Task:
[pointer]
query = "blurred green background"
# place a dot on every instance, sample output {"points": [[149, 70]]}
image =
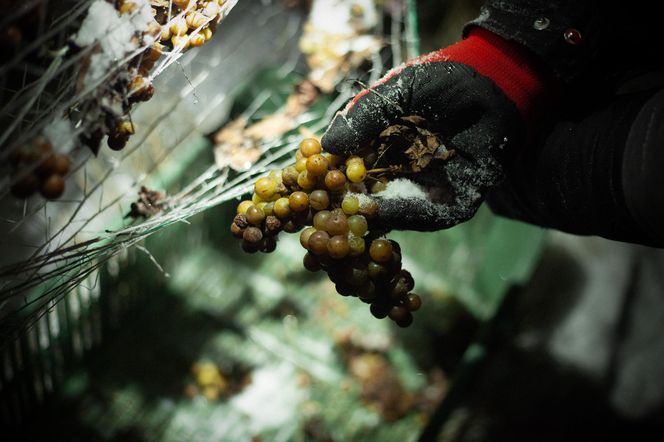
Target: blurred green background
{"points": [[188, 338]]}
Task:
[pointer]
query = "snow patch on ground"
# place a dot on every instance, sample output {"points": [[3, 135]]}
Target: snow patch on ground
{"points": [[272, 399]]}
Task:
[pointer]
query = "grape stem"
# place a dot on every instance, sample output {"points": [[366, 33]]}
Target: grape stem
{"points": [[392, 169]]}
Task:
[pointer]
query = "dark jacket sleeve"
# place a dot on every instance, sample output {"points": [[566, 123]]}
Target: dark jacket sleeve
{"points": [[592, 167], [564, 33], [586, 41]]}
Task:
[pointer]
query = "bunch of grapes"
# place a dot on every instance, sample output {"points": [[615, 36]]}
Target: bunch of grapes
{"points": [[324, 197], [37, 167], [194, 28], [178, 24]]}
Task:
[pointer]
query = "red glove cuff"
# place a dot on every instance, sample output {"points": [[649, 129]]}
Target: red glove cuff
{"points": [[511, 67], [507, 64]]}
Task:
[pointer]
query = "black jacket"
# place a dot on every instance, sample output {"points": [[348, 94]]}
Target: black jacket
{"points": [[603, 42], [595, 165]]}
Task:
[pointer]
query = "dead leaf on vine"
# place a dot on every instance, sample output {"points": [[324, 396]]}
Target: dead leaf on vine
{"points": [[418, 144]]}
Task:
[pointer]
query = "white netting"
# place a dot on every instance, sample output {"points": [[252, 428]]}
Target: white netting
{"points": [[52, 246]]}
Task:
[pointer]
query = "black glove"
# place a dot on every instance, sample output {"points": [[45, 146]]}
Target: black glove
{"points": [[465, 109]]}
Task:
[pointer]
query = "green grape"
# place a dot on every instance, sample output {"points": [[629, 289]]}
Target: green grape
{"points": [[301, 165], [356, 172], [358, 225], [379, 185], [268, 208], [356, 246], [282, 208], [350, 205], [243, 206], [265, 188]]}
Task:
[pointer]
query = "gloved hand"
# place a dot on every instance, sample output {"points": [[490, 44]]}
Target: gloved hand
{"points": [[477, 96]]}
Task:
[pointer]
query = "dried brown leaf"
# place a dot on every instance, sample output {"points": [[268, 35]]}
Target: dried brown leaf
{"points": [[381, 387], [231, 133], [271, 127], [417, 143]]}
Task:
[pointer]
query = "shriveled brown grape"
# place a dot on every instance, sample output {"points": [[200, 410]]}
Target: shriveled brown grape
{"points": [[236, 230], [252, 235]]}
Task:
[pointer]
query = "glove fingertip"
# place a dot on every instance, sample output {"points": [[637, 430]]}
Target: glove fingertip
{"points": [[340, 138], [396, 213], [415, 213]]}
